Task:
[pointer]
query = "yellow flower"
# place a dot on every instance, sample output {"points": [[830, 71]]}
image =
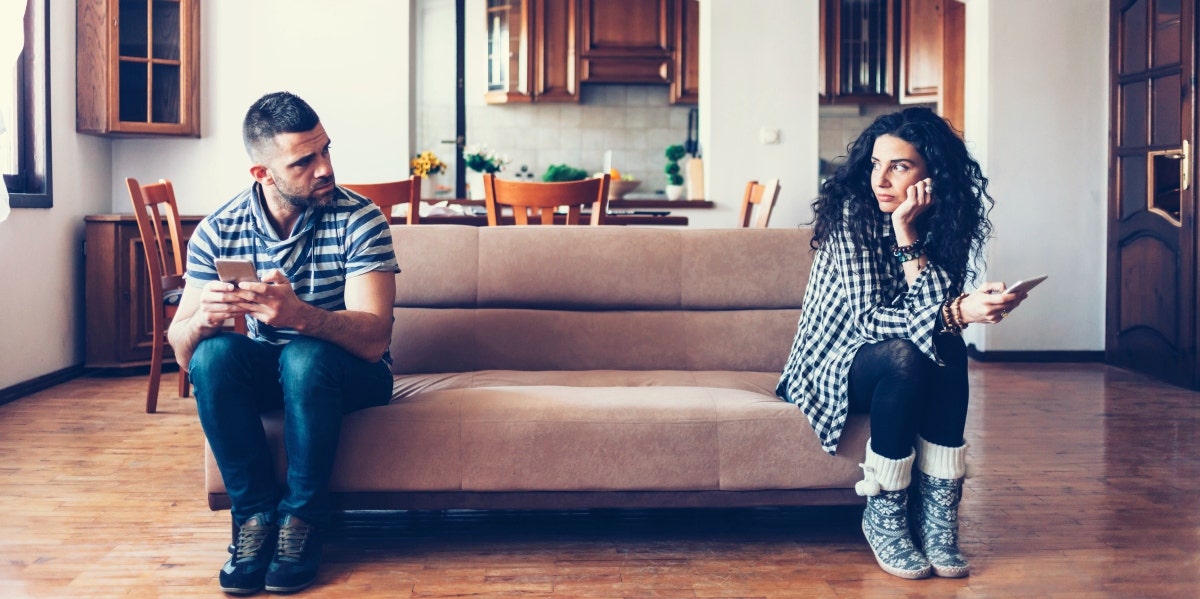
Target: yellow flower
{"points": [[427, 163]]}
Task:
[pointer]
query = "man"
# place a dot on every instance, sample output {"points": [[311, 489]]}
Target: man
{"points": [[319, 322]]}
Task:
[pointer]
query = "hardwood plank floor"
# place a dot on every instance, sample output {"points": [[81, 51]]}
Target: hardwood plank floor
{"points": [[1085, 482]]}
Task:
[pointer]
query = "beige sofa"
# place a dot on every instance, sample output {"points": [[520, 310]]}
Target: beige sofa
{"points": [[589, 367]]}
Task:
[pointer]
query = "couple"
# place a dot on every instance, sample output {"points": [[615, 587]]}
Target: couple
{"points": [[893, 235]]}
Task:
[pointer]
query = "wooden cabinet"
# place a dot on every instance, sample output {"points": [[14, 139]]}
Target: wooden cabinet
{"points": [[532, 51], [627, 41], [685, 86], [541, 50], [889, 51], [118, 307], [137, 67], [920, 51], [860, 50]]}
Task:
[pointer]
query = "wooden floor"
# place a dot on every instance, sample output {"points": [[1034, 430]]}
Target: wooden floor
{"points": [[1085, 482]]}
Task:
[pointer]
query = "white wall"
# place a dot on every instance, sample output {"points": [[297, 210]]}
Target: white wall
{"points": [[349, 60], [759, 63], [41, 260], [1037, 118]]}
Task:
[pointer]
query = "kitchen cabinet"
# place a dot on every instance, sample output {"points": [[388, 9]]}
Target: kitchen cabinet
{"points": [[859, 51], [894, 51], [920, 50], [627, 41], [685, 86], [532, 51], [137, 67], [118, 306]]}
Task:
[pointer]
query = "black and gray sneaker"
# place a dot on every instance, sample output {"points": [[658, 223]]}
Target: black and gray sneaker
{"points": [[297, 557], [252, 548]]}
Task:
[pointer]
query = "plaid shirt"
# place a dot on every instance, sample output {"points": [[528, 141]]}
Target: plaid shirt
{"points": [[856, 295]]}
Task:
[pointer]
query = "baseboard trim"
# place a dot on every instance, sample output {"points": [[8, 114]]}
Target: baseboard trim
{"points": [[1034, 356], [40, 383]]}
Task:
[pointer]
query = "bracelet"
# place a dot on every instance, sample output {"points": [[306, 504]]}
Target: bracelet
{"points": [[905, 253], [956, 311], [948, 324]]}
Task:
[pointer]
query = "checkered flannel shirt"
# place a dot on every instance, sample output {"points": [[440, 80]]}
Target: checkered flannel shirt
{"points": [[856, 295]]}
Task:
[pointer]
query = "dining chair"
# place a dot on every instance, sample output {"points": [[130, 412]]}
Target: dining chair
{"points": [[390, 194], [152, 203], [529, 199], [763, 195]]}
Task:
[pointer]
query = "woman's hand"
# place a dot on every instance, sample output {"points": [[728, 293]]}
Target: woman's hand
{"points": [[918, 198], [989, 304]]}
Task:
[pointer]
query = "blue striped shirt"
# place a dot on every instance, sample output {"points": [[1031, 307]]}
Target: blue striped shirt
{"points": [[327, 246]]}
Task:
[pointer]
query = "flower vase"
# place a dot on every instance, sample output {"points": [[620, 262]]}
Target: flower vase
{"points": [[674, 192], [429, 184], [475, 185]]}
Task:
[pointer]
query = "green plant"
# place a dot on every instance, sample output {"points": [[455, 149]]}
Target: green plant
{"points": [[562, 172], [482, 160], [674, 153]]}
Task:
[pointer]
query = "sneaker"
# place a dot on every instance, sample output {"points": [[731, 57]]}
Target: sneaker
{"points": [[253, 546], [297, 557]]}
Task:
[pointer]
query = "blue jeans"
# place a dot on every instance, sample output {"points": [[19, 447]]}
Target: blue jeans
{"points": [[315, 382]]}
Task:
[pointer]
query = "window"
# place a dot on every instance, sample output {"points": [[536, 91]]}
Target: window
{"points": [[25, 110]]}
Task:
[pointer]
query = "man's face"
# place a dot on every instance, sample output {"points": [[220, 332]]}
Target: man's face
{"points": [[300, 169]]}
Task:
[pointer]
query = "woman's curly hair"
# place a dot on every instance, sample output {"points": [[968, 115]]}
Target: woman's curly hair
{"points": [[955, 225]]}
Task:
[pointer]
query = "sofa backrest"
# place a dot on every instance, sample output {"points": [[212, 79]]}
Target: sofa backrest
{"points": [[596, 298]]}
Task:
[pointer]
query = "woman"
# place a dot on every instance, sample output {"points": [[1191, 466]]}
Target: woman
{"points": [[894, 233]]}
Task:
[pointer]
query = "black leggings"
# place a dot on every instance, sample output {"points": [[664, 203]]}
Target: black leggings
{"points": [[906, 393]]}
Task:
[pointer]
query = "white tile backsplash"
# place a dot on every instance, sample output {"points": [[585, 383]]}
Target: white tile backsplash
{"points": [[636, 122]]}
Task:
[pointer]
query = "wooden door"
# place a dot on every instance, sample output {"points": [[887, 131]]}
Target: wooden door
{"points": [[1152, 297]]}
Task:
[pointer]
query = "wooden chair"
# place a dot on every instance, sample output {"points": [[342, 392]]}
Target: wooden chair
{"points": [[388, 195], [164, 264], [528, 199], [762, 194]]}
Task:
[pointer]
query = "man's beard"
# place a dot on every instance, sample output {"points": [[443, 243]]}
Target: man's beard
{"points": [[309, 200]]}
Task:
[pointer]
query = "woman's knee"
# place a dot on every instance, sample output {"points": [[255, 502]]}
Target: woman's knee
{"points": [[904, 358]]}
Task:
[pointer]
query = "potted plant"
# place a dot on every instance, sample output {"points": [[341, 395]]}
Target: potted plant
{"points": [[480, 161], [427, 165], [674, 179]]}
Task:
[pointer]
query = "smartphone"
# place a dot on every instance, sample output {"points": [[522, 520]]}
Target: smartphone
{"points": [[1025, 285], [236, 271]]}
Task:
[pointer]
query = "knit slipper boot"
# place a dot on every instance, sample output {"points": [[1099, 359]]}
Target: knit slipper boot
{"points": [[885, 521], [940, 473]]}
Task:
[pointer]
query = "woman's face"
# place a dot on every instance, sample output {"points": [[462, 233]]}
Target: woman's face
{"points": [[895, 167]]}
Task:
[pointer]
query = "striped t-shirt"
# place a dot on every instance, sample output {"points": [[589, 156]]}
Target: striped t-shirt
{"points": [[328, 245]]}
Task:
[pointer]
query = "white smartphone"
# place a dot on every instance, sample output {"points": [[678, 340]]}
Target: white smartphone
{"points": [[1025, 285], [236, 271]]}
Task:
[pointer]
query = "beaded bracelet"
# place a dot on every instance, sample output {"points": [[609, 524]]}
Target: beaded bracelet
{"points": [[957, 312], [904, 253], [948, 325]]}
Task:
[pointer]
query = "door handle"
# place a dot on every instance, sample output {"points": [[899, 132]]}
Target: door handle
{"points": [[1184, 153]]}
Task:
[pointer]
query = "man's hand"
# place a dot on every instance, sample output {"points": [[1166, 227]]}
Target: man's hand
{"points": [[219, 302], [274, 302]]}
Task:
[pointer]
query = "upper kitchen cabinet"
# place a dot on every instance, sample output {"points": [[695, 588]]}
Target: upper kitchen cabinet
{"points": [[921, 50], [889, 51], [137, 67], [685, 87], [627, 41], [860, 50], [532, 51]]}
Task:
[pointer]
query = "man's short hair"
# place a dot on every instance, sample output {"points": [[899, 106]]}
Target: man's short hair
{"points": [[272, 114]]}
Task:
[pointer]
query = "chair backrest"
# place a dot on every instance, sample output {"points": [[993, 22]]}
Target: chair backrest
{"points": [[527, 198], [763, 195], [152, 203], [388, 195]]}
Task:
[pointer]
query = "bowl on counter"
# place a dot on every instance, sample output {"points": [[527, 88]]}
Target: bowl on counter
{"points": [[618, 188]]}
